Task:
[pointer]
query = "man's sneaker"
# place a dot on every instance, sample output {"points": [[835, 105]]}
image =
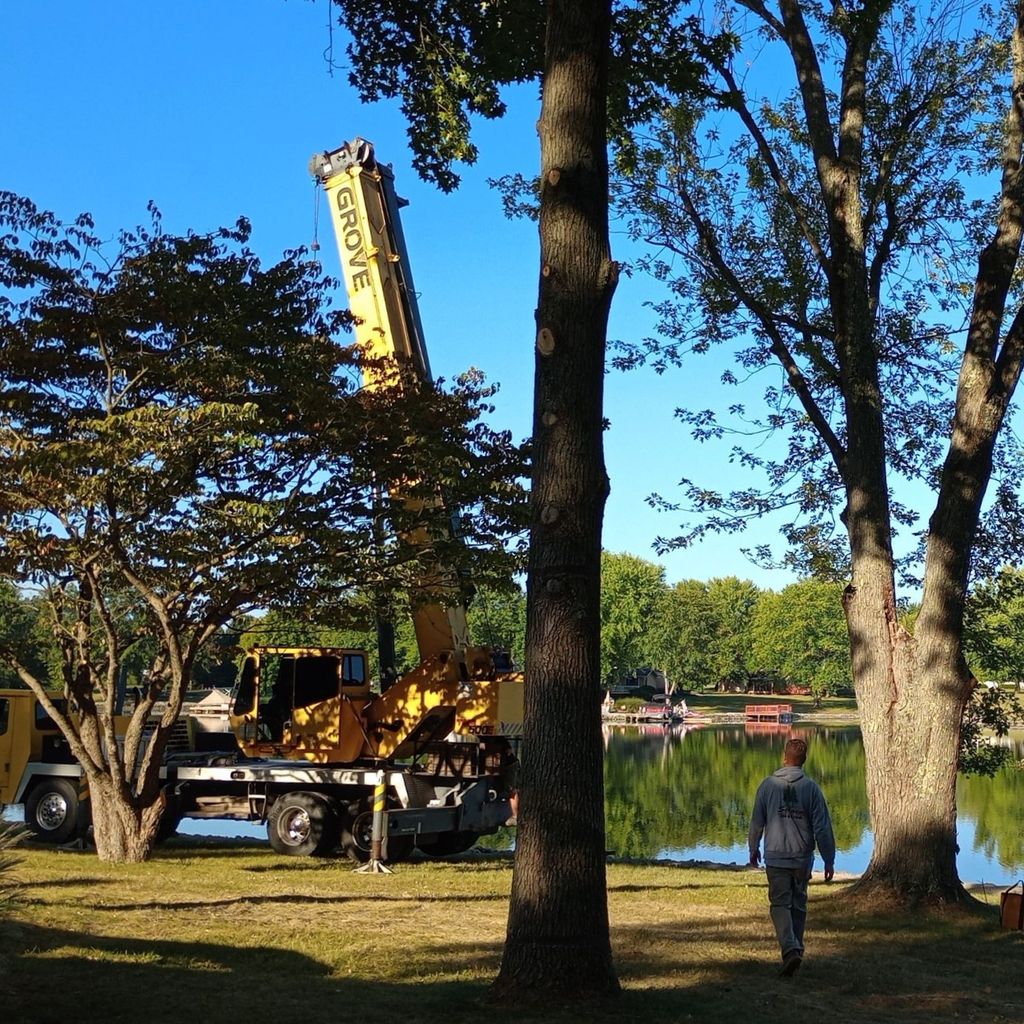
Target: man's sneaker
{"points": [[790, 964]]}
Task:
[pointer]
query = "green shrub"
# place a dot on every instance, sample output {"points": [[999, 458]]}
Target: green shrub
{"points": [[10, 836]]}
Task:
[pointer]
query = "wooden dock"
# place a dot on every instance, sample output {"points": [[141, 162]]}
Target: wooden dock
{"points": [[780, 714]]}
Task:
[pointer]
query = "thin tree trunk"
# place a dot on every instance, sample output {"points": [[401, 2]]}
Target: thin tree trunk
{"points": [[558, 934]]}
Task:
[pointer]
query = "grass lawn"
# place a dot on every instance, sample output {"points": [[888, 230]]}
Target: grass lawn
{"points": [[734, 703], [230, 932]]}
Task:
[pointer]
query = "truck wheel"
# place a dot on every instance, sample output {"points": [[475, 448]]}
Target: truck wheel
{"points": [[302, 825], [357, 836], [447, 844], [53, 811]]}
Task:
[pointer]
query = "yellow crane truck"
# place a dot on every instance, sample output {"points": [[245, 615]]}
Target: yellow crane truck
{"points": [[309, 742], [444, 790]]}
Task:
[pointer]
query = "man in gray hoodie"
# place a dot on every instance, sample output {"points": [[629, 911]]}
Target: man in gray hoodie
{"points": [[790, 811]]}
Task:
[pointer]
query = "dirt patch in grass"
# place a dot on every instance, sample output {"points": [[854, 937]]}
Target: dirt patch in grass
{"points": [[232, 932]]}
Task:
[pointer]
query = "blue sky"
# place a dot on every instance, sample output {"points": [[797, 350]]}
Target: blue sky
{"points": [[212, 108]]}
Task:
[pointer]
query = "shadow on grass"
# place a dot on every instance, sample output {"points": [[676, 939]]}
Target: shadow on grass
{"points": [[294, 898], [932, 970], [479, 865], [275, 867], [889, 968], [695, 965], [680, 887], [50, 976], [62, 883], [193, 846], [214, 848]]}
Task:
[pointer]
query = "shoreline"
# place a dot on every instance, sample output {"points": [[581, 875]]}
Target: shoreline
{"points": [[732, 718]]}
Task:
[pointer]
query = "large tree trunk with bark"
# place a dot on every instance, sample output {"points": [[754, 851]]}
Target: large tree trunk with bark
{"points": [[910, 704], [125, 800], [912, 691], [122, 832], [558, 936]]}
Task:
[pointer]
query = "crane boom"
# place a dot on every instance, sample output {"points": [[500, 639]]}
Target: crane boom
{"points": [[371, 247], [364, 209]]}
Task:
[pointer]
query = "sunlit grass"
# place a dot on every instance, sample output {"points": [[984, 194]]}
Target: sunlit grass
{"points": [[803, 704], [232, 932]]}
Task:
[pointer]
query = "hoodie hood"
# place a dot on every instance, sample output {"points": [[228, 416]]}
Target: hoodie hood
{"points": [[788, 773]]}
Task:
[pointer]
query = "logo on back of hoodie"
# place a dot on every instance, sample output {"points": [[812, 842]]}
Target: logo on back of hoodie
{"points": [[790, 803]]}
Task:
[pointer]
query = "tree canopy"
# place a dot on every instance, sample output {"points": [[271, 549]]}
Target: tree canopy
{"points": [[832, 233], [994, 627], [800, 633], [24, 630], [184, 438], [631, 588]]}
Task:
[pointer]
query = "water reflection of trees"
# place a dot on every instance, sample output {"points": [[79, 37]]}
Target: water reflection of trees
{"points": [[997, 808], [686, 788]]}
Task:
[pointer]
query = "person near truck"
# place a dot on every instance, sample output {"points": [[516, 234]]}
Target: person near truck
{"points": [[791, 813]]}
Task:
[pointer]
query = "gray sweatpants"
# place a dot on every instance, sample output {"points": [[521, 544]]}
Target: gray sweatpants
{"points": [[787, 896]]}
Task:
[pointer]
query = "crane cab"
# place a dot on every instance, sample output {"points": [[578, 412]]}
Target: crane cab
{"points": [[301, 702]]}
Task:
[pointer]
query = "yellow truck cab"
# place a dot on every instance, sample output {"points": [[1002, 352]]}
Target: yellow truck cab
{"points": [[38, 770]]}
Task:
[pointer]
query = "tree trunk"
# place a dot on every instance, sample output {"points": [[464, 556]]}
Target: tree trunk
{"points": [[910, 705], [558, 938], [910, 690], [911, 701], [123, 833]]}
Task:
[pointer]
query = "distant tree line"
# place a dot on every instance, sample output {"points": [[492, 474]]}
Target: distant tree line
{"points": [[722, 633], [703, 634], [727, 632]]}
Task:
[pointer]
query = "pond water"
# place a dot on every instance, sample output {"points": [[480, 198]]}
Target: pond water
{"points": [[679, 793], [682, 793]]}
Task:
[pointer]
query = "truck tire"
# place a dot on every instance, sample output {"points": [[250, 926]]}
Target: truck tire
{"points": [[53, 812], [302, 825], [357, 836]]}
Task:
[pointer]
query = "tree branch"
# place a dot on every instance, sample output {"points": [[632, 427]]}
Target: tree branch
{"points": [[81, 753], [797, 381], [758, 8], [882, 254], [812, 86], [113, 755], [736, 100], [853, 92]]}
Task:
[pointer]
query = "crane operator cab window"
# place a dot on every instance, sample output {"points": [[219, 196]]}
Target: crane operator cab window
{"points": [[304, 680], [245, 693], [316, 679], [277, 679], [353, 670]]}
